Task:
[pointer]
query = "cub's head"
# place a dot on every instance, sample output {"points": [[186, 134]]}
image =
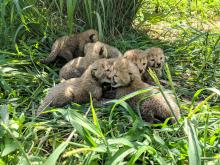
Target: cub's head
{"points": [[96, 50], [124, 73], [101, 70], [156, 58], [113, 52], [90, 36], [138, 58]]}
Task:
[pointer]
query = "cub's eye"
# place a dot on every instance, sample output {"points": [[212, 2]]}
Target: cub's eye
{"points": [[107, 70], [152, 60], [161, 58], [130, 73], [144, 63], [116, 76]]}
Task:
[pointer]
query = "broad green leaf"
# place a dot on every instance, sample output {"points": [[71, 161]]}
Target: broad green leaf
{"points": [[9, 146], [2, 162], [120, 155], [82, 125], [78, 119], [159, 139], [120, 141], [20, 147], [56, 154], [137, 154]]}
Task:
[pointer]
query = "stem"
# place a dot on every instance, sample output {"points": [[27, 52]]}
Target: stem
{"points": [[206, 132]]}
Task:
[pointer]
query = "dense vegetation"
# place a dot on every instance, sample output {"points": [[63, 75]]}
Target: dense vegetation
{"points": [[188, 31]]}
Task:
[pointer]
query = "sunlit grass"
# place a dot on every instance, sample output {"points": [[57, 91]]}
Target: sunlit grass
{"points": [[113, 133]]}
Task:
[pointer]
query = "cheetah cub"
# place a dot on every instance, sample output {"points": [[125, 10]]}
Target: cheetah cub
{"points": [[127, 79], [76, 67], [69, 47], [113, 52], [78, 89], [156, 60], [93, 52], [137, 57]]}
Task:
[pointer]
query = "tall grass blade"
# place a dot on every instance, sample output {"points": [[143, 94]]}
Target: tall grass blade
{"points": [[124, 105], [99, 26], [120, 155], [133, 94], [193, 111], [103, 10], [88, 8], [96, 122], [199, 106], [156, 80], [101, 148], [17, 31], [95, 119], [78, 150], [71, 4], [19, 10], [61, 4], [167, 70], [194, 150], [55, 155]]}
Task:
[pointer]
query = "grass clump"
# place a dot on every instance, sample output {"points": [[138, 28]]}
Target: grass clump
{"points": [[84, 134]]}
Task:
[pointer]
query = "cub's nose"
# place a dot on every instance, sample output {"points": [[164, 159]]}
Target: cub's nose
{"points": [[141, 70], [158, 65], [113, 82]]}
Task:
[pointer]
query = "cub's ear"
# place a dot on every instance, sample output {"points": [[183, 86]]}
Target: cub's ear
{"points": [[93, 38], [125, 57], [103, 52]]}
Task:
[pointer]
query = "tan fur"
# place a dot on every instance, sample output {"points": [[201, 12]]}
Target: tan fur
{"points": [[156, 60], [93, 52], [137, 57], [69, 47], [113, 52], [76, 67], [126, 77], [78, 89]]}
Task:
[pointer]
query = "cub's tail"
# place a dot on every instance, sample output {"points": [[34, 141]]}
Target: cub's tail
{"points": [[53, 54], [46, 102]]}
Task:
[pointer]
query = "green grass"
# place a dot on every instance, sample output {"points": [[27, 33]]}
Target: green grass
{"points": [[113, 133]]}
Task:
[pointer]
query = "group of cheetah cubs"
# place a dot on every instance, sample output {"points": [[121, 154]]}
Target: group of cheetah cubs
{"points": [[92, 63]]}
